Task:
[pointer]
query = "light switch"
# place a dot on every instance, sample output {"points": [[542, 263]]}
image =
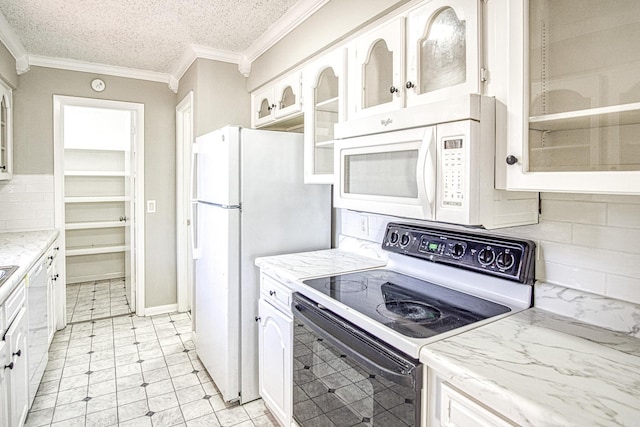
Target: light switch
{"points": [[151, 206]]}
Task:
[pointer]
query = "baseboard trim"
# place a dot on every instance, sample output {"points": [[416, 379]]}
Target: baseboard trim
{"points": [[160, 309]]}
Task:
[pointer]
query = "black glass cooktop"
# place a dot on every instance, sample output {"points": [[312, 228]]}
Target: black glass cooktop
{"points": [[410, 306]]}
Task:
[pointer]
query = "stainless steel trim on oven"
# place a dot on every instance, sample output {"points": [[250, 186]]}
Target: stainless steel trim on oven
{"points": [[401, 374]]}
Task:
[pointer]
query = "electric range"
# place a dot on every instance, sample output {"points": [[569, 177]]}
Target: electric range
{"points": [[357, 336]]}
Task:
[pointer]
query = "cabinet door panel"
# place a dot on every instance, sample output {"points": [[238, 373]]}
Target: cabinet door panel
{"points": [[376, 61], [275, 340], [262, 106], [288, 93], [324, 107], [18, 377], [574, 126], [443, 51], [6, 132]]}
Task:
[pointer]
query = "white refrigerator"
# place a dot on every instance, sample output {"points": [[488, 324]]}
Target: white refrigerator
{"points": [[251, 201]]}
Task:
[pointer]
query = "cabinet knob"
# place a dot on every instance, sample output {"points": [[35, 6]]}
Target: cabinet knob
{"points": [[394, 89], [123, 219], [409, 85], [272, 293], [511, 159], [10, 366], [18, 353], [257, 318], [3, 167]]}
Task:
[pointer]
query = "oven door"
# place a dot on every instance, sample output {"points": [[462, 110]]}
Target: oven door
{"points": [[391, 173], [342, 376]]}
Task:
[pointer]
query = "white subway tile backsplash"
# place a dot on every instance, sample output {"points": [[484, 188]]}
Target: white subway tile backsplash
{"points": [[27, 203], [624, 215], [550, 231], [592, 259], [573, 277], [623, 288], [574, 211], [608, 238]]}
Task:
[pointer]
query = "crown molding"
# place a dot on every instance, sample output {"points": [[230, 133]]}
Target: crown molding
{"points": [[295, 16], [195, 51], [13, 45], [109, 70]]}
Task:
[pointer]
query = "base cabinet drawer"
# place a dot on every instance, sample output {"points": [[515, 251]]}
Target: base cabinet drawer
{"points": [[458, 410]]}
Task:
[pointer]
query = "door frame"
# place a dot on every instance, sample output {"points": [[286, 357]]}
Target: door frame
{"points": [[184, 194], [138, 274]]}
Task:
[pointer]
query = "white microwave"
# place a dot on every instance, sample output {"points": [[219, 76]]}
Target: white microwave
{"points": [[441, 172]]}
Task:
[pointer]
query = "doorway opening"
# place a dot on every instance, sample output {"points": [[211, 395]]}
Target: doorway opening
{"points": [[98, 170], [184, 202]]}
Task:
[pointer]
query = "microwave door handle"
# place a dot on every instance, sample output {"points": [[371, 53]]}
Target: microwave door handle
{"points": [[426, 170]]}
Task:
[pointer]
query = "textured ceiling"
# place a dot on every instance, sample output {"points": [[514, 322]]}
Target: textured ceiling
{"points": [[141, 34]]}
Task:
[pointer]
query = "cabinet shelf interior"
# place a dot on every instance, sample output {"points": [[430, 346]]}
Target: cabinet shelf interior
{"points": [[616, 115]]}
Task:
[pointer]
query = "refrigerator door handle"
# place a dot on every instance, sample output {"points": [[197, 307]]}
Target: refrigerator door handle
{"points": [[195, 252]]}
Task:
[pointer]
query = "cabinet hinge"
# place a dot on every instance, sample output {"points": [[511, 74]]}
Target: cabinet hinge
{"points": [[133, 130], [483, 74]]}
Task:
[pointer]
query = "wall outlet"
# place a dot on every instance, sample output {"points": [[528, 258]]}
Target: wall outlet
{"points": [[363, 225], [151, 206]]}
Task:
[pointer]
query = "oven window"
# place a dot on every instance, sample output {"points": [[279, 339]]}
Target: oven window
{"points": [[332, 389], [391, 174]]}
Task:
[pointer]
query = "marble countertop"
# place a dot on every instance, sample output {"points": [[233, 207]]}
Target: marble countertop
{"points": [[22, 248], [542, 369], [292, 268]]}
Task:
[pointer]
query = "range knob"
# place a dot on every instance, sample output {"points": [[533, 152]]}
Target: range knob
{"points": [[394, 237], [405, 240], [457, 251], [505, 260], [486, 256]]}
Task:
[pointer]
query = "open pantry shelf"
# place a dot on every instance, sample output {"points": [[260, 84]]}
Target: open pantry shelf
{"points": [[95, 250]]}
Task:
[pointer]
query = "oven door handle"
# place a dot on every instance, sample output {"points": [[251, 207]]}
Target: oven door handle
{"points": [[357, 345]]}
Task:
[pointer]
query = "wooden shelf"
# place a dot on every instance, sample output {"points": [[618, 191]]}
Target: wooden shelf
{"points": [[103, 199], [94, 225], [95, 173], [615, 115], [94, 250], [94, 150]]}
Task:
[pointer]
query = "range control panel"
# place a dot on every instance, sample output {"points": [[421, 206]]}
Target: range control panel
{"points": [[482, 252]]}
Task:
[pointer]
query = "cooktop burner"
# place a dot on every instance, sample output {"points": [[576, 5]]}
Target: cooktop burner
{"points": [[409, 311], [410, 306]]}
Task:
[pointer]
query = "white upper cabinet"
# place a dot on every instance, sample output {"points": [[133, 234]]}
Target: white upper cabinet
{"points": [[6, 132], [443, 51], [376, 64], [278, 100], [574, 96], [324, 92], [430, 54]]}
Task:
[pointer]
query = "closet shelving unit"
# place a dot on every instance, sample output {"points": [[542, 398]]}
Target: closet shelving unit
{"points": [[95, 213]]}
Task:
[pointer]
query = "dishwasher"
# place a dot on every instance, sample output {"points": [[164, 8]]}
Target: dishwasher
{"points": [[38, 335]]}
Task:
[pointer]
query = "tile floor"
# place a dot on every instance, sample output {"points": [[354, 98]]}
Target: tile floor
{"points": [[96, 300], [133, 371]]}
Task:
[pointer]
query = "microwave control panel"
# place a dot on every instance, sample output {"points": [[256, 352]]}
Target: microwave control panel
{"points": [[453, 167]]}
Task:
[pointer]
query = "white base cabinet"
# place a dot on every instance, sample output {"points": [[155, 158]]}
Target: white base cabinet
{"points": [[4, 373], [15, 363], [275, 349]]}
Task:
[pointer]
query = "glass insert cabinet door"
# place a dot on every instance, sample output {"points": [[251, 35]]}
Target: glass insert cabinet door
{"points": [[443, 60], [580, 110], [6, 122], [377, 79], [324, 107]]}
